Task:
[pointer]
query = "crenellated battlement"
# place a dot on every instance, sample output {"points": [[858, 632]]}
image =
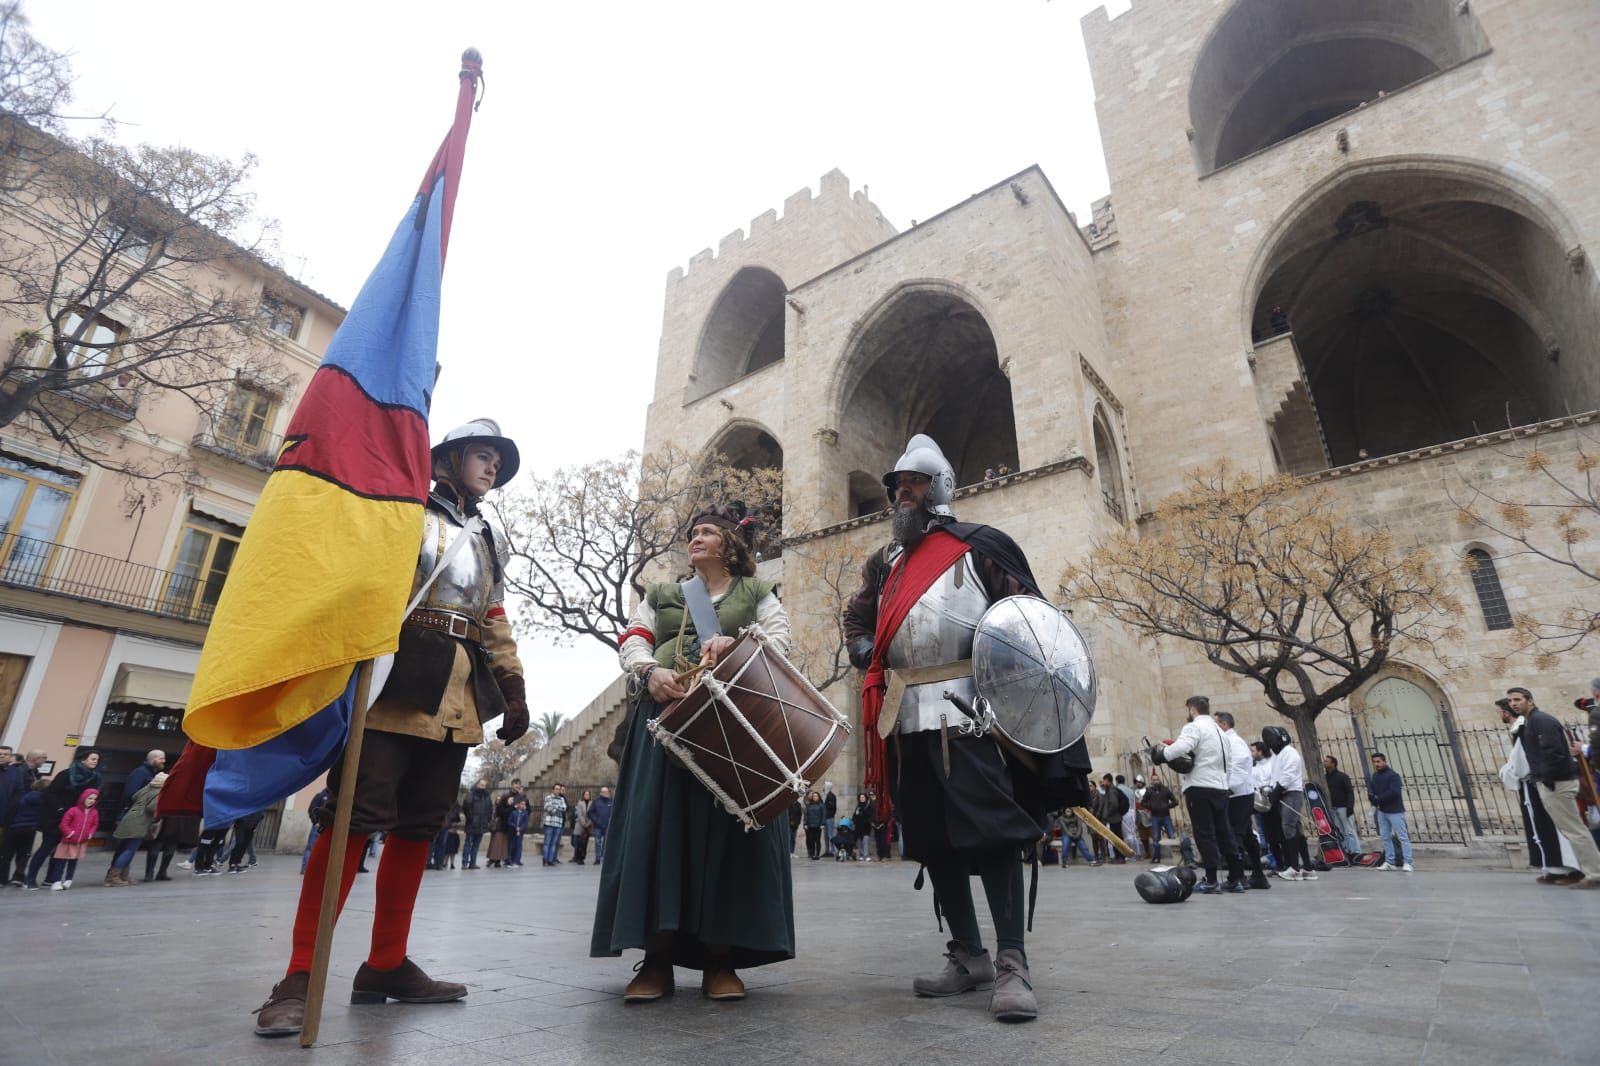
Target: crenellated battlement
{"points": [[835, 197]]}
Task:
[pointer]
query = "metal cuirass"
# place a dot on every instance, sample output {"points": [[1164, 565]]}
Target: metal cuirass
{"points": [[467, 585], [939, 630]]}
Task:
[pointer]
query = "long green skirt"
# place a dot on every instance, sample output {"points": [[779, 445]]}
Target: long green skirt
{"points": [[677, 863]]}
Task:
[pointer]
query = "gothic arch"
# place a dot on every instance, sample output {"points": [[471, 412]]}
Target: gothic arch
{"points": [[1430, 300], [924, 359], [1270, 69], [742, 334], [1108, 466]]}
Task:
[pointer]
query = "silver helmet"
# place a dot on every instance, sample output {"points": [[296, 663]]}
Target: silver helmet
{"points": [[922, 456], [482, 431]]}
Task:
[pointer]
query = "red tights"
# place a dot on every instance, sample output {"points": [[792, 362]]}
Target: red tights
{"points": [[399, 877]]}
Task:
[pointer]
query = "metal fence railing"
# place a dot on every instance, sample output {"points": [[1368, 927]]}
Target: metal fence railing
{"points": [[259, 449], [55, 568]]}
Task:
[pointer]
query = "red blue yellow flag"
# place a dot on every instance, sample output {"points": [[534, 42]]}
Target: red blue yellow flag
{"points": [[325, 567]]}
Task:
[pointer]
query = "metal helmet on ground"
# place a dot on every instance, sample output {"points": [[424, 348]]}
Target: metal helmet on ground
{"points": [[1160, 886], [922, 456], [482, 431], [1187, 877]]}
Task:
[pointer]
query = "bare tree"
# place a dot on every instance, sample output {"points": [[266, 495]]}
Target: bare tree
{"points": [[122, 273], [499, 761], [35, 81], [1271, 583], [833, 572], [1553, 516], [584, 539]]}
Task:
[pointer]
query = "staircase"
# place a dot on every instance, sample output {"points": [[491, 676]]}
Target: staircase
{"points": [[576, 755]]}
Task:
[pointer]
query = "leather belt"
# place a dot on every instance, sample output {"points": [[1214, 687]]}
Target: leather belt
{"points": [[457, 625]]}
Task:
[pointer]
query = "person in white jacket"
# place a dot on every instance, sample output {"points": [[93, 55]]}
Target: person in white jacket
{"points": [[1289, 795], [1205, 793], [1241, 800]]}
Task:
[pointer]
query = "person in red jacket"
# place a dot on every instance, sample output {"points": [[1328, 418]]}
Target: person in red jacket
{"points": [[77, 828]]}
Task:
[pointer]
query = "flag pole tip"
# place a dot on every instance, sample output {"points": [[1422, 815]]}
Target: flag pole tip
{"points": [[472, 55]]}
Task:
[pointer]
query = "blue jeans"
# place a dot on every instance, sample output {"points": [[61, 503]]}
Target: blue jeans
{"points": [[1156, 823], [1075, 844], [827, 835], [600, 844], [469, 849], [126, 850], [514, 850], [1391, 826], [1349, 839], [311, 838], [552, 841]]}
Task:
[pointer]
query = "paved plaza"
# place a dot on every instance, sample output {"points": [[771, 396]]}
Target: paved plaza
{"points": [[1453, 965]]}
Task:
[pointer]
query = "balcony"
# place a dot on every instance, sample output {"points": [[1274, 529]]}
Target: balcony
{"points": [[42, 566], [259, 449]]}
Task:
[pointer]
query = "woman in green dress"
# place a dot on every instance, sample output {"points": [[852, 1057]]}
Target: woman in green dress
{"points": [[681, 877]]}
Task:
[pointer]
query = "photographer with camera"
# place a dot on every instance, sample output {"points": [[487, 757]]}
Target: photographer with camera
{"points": [[1200, 756]]}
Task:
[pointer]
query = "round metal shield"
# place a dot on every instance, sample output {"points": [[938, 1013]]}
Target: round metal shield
{"points": [[1033, 666]]}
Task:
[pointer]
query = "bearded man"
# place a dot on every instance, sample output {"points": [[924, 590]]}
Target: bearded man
{"points": [[962, 804]]}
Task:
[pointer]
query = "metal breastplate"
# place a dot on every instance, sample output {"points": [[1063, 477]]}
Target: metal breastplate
{"points": [[467, 585], [939, 630]]}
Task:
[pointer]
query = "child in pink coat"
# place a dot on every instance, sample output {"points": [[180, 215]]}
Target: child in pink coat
{"points": [[77, 827]]}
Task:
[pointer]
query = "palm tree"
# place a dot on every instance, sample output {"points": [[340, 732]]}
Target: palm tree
{"points": [[547, 724]]}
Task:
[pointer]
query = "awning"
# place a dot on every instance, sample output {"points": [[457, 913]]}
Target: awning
{"points": [[150, 687]]}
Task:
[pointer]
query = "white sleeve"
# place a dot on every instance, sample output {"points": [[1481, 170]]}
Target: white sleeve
{"points": [[774, 621], [636, 653], [1187, 742]]}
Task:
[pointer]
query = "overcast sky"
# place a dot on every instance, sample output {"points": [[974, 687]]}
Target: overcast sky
{"points": [[615, 140]]}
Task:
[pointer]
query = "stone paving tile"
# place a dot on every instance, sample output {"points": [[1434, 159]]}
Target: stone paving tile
{"points": [[1461, 966]]}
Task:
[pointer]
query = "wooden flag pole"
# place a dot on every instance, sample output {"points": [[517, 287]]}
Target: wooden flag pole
{"points": [[1100, 830], [335, 872]]}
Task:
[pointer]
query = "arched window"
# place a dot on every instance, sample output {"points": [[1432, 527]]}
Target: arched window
{"points": [[1491, 597], [1274, 68], [1109, 465], [928, 363], [743, 333]]}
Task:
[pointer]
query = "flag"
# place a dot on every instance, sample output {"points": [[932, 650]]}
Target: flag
{"points": [[325, 568]]}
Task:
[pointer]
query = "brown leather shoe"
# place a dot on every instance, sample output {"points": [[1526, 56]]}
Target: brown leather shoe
{"points": [[284, 1012], [653, 980], [719, 982], [405, 983]]}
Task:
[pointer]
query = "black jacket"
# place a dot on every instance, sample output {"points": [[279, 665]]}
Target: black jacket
{"points": [[1545, 743], [1341, 793], [832, 803], [479, 810]]}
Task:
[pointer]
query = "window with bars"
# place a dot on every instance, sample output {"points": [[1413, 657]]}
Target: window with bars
{"points": [[1491, 597]]}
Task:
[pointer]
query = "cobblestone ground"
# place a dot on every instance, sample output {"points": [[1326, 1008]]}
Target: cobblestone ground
{"points": [[1450, 965]]}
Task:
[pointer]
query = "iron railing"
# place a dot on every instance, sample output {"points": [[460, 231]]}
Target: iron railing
{"points": [[55, 568], [221, 439]]}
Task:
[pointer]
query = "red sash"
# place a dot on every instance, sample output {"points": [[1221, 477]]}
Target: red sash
{"points": [[911, 576]]}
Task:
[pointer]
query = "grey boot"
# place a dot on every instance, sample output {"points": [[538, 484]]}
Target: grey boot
{"points": [[1013, 999], [962, 973]]}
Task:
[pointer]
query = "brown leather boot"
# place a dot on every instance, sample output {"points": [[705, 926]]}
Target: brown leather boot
{"points": [[718, 981], [284, 1012], [654, 980], [405, 983]]}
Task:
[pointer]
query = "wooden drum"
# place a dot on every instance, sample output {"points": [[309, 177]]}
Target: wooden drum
{"points": [[753, 730]]}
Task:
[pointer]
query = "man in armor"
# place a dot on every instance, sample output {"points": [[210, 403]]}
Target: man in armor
{"points": [[456, 669], [962, 802]]}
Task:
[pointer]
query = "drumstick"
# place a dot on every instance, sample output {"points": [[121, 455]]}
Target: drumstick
{"points": [[691, 673]]}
